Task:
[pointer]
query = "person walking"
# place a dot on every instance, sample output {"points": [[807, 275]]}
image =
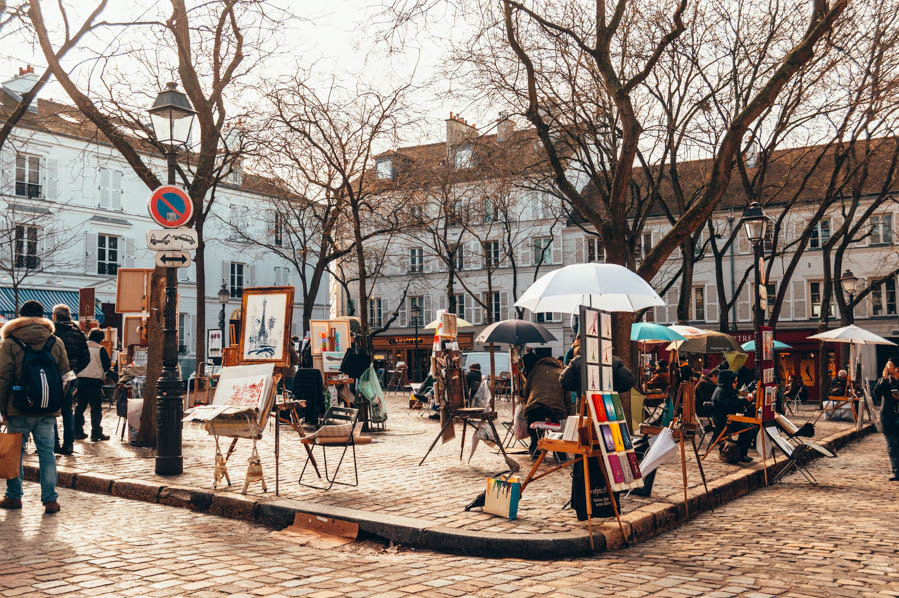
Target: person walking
{"points": [[887, 390], [33, 363], [79, 356], [90, 383]]}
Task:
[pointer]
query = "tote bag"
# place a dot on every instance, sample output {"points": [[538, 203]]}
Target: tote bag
{"points": [[10, 455]]}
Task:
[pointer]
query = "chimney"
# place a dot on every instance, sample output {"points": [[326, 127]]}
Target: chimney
{"points": [[457, 130], [505, 127], [23, 82]]}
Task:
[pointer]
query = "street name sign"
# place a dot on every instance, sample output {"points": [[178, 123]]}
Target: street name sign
{"points": [[173, 259], [170, 206], [172, 239]]}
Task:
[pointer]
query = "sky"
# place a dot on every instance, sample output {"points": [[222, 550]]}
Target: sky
{"points": [[338, 37]]}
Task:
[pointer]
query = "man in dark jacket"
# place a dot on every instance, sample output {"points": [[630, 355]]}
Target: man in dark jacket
{"points": [[887, 390], [543, 395], [473, 381], [79, 356], [33, 329], [705, 388], [726, 401]]}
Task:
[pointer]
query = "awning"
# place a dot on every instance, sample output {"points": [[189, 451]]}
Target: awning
{"points": [[48, 298]]}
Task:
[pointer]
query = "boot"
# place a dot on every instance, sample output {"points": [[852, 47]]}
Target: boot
{"points": [[51, 507], [80, 435], [99, 436], [11, 503]]}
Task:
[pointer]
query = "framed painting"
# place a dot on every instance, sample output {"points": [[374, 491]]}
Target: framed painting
{"points": [[213, 343], [133, 331], [132, 290], [329, 335], [246, 387], [265, 330]]}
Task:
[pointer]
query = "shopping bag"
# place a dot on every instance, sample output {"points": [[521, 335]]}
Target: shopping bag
{"points": [[10, 455], [370, 388], [502, 497]]}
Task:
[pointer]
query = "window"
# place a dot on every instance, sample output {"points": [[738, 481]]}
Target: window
{"points": [[454, 211], [108, 254], [278, 226], [417, 214], [459, 258], [384, 168], [28, 175], [26, 247], [110, 188], [699, 304], [459, 298], [543, 251], [815, 288], [769, 238], [491, 254], [644, 244], [418, 302], [883, 298], [595, 251], [374, 311], [240, 220], [491, 211], [546, 316], [820, 234], [494, 305], [462, 157], [182, 333], [881, 229], [416, 260], [237, 270]]}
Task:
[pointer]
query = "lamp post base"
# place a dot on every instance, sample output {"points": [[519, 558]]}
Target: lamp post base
{"points": [[169, 412]]}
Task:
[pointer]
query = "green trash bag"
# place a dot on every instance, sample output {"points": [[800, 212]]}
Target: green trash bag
{"points": [[369, 388]]}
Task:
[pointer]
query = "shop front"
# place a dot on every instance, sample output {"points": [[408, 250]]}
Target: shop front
{"points": [[410, 353]]}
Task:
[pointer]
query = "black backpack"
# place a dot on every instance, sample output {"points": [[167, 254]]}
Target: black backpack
{"points": [[39, 389]]}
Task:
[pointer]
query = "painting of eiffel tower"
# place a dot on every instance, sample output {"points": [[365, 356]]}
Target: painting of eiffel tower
{"points": [[265, 326]]}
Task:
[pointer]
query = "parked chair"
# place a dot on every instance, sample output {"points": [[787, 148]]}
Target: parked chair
{"points": [[705, 422], [337, 430]]}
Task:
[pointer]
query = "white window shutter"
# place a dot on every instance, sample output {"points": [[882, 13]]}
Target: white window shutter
{"points": [[226, 274], [251, 276], [441, 301], [557, 316], [504, 305], [427, 314], [51, 174], [799, 305], [556, 252], [580, 250], [115, 193], [128, 254], [277, 276], [533, 205], [104, 188], [786, 308], [744, 313], [467, 301], [524, 252], [671, 301], [7, 170], [477, 312], [711, 303], [188, 332], [404, 322], [90, 253], [385, 311]]}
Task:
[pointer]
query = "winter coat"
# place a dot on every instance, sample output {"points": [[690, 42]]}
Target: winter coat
{"points": [[889, 406], [660, 380], [725, 400], [529, 360], [99, 362], [622, 377], [75, 343], [705, 388], [571, 376], [35, 332], [473, 381], [544, 388]]}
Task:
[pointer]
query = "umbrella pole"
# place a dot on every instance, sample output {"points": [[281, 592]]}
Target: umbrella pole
{"points": [[492, 376]]}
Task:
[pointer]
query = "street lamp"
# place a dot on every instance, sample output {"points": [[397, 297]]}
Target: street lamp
{"points": [[849, 282], [416, 314], [172, 118], [224, 296], [755, 221]]}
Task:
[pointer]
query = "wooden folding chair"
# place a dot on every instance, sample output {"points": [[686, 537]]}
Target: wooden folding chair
{"points": [[337, 430]]}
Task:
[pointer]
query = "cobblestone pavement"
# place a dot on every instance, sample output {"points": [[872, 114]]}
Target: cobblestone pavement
{"points": [[390, 480], [837, 539]]}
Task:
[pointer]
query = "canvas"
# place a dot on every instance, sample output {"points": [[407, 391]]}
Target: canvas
{"points": [[593, 350], [266, 324], [501, 497], [593, 381], [606, 352], [599, 410], [214, 343], [246, 386], [606, 378], [592, 322], [605, 325]]}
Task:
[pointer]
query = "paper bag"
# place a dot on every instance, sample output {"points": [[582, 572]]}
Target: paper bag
{"points": [[10, 455], [502, 497]]}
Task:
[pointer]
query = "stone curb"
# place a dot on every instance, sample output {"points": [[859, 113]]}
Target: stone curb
{"points": [[641, 524]]}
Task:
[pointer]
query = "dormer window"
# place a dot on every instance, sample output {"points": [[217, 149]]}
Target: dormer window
{"points": [[462, 157], [384, 168]]}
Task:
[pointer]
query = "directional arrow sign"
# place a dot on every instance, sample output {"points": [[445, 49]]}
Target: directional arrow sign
{"points": [[172, 239], [173, 259]]}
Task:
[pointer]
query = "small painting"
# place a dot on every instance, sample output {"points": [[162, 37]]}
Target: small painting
{"points": [[593, 350], [607, 378], [329, 335], [606, 351], [593, 381], [214, 343], [265, 334], [592, 322], [606, 325]]}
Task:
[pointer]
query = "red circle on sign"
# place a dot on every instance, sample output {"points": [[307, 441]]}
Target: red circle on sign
{"points": [[170, 206]]}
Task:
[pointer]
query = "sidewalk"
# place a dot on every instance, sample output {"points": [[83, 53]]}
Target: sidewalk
{"points": [[400, 501]]}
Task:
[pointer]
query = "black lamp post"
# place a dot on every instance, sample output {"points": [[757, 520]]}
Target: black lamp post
{"points": [[755, 221], [172, 117], [416, 314], [224, 295], [849, 282]]}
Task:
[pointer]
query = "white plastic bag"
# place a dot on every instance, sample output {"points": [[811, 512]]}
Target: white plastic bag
{"points": [[520, 425], [482, 397], [660, 451]]}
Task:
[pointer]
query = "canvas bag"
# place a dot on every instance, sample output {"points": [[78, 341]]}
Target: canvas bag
{"points": [[10, 455], [502, 497]]}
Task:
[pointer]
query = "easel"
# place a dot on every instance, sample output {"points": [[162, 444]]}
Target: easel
{"points": [[684, 427], [756, 421], [584, 448]]}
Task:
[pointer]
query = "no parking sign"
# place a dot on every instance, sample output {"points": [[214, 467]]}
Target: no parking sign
{"points": [[170, 206]]}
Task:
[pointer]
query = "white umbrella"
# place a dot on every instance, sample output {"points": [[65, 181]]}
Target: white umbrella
{"points": [[851, 334], [609, 287]]}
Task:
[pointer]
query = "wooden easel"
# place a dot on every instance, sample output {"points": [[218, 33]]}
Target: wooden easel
{"points": [[756, 421], [585, 447]]}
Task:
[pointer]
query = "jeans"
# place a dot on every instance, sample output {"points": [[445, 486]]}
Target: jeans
{"points": [[68, 419], [41, 428], [89, 394], [893, 451]]}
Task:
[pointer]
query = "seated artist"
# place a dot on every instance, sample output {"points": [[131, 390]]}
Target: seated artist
{"points": [[543, 396], [796, 390], [705, 388], [660, 381], [726, 401], [838, 385]]}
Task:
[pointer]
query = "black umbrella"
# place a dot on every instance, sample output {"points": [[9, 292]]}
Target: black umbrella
{"points": [[515, 332]]}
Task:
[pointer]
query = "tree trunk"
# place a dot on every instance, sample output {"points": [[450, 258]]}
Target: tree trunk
{"points": [[200, 261], [147, 432]]}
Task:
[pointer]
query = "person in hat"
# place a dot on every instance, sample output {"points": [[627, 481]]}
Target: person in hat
{"points": [[32, 330], [660, 379]]}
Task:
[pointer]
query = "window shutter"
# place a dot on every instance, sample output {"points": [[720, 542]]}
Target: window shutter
{"points": [[743, 244], [277, 276], [90, 253], [671, 302], [556, 250], [580, 250], [8, 168], [226, 274], [504, 305], [477, 312], [743, 304], [533, 204], [786, 308], [441, 301], [128, 254], [50, 177], [427, 314], [799, 305], [250, 280], [104, 188], [711, 303], [385, 311], [115, 194], [404, 322], [524, 252]]}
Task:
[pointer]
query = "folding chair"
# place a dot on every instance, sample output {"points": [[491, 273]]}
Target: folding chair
{"points": [[705, 422], [337, 430]]}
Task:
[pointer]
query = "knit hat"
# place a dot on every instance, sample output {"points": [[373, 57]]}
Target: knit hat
{"points": [[31, 309]]}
